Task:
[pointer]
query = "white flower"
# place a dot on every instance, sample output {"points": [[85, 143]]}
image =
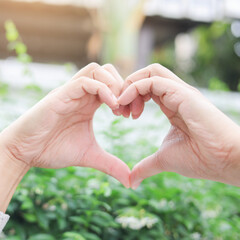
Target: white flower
{"points": [[196, 236], [224, 226], [39, 191], [136, 223], [52, 208], [93, 184], [163, 203], [171, 204], [210, 213]]}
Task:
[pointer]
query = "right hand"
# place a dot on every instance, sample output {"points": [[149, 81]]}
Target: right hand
{"points": [[202, 142]]}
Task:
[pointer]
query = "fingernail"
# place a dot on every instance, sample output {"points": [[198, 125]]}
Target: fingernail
{"points": [[117, 112], [134, 117]]}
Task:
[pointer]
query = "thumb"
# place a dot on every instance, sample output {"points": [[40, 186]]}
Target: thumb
{"points": [[148, 167], [107, 163]]}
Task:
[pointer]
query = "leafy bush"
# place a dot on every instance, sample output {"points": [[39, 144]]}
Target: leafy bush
{"points": [[76, 203]]}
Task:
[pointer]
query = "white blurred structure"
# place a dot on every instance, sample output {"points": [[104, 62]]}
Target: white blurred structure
{"points": [[197, 10]]}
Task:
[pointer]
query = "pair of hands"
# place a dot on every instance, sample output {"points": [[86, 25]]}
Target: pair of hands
{"points": [[57, 132]]}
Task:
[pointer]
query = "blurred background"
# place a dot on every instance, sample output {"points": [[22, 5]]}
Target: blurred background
{"points": [[43, 43]]}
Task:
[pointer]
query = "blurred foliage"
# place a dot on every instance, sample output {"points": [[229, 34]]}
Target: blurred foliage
{"points": [[16, 44], [3, 89], [217, 84], [215, 56], [82, 204], [215, 64]]}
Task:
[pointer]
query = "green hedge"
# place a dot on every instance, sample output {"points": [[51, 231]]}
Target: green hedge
{"points": [[78, 203]]}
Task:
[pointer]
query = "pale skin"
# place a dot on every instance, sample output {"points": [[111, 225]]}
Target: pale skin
{"points": [[202, 142], [57, 132]]}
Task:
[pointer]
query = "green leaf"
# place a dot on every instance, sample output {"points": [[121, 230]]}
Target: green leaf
{"points": [[20, 48], [78, 219], [91, 236], [24, 58], [13, 238], [27, 204], [30, 217], [217, 84], [42, 219], [42, 237], [11, 31], [96, 229], [61, 223], [73, 236], [3, 89], [33, 87]]}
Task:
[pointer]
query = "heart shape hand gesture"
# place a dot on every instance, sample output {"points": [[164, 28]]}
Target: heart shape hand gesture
{"points": [[58, 132]]}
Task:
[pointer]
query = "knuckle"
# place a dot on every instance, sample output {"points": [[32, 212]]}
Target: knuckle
{"points": [[155, 80], [96, 71], [108, 66], [129, 81], [93, 65], [104, 87], [109, 85], [81, 80], [195, 90], [155, 66]]}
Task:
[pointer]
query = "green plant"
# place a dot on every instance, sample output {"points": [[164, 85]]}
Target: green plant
{"points": [[76, 203], [15, 42], [216, 84]]}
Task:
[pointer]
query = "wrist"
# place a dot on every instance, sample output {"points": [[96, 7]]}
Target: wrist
{"points": [[11, 173], [232, 174]]}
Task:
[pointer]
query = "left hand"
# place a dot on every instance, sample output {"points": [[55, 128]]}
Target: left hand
{"points": [[57, 132]]}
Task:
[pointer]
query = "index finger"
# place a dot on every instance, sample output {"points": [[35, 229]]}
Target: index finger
{"points": [[113, 71], [87, 71], [151, 71], [171, 94]]}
